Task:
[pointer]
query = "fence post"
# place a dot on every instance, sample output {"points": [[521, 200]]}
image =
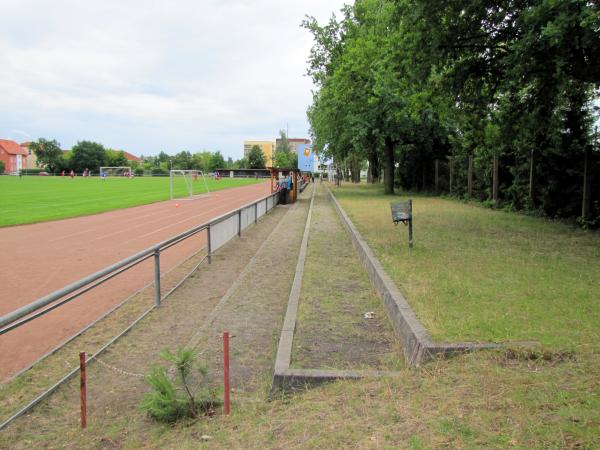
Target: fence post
{"points": [[266, 206], [83, 389], [226, 389], [240, 222], [209, 244], [470, 177], [451, 170], [256, 213], [495, 165], [437, 176], [410, 234], [157, 277]]}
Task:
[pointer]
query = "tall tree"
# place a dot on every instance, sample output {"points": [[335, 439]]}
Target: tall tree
{"points": [[256, 159], [116, 158], [217, 161], [88, 155], [48, 153]]}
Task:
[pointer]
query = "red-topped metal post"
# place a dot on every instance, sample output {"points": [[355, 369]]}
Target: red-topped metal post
{"points": [[226, 389]]}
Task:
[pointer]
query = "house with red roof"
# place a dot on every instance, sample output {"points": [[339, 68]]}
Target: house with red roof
{"points": [[130, 157], [13, 156]]}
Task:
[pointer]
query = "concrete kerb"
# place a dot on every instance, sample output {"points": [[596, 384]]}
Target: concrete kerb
{"points": [[417, 344], [286, 379]]}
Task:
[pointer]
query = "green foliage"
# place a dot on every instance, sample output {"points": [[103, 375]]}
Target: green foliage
{"points": [[182, 161], [87, 155], [2, 166], [116, 158], [411, 81], [170, 402], [48, 153], [216, 161], [256, 159], [284, 157], [159, 171]]}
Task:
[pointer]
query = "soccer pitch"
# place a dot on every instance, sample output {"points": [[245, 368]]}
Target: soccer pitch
{"points": [[38, 199]]}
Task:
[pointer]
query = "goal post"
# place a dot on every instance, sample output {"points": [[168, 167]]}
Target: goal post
{"points": [[115, 171], [187, 184]]}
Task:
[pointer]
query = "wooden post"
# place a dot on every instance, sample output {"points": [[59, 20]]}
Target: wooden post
{"points": [[531, 175], [451, 170], [585, 202], [226, 388], [470, 177], [495, 179], [437, 176], [83, 388], [410, 233]]}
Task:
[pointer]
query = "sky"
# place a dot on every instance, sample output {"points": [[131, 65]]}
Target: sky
{"points": [[148, 76]]}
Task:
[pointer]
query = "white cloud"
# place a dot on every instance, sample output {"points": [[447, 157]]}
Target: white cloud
{"points": [[156, 75]]}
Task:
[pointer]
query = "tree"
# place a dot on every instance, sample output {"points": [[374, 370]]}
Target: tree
{"points": [[88, 155], [283, 152], [256, 159], [217, 161], [182, 161], [283, 144], [48, 153], [116, 158]]}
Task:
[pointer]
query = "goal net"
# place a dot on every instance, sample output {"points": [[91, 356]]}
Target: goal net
{"points": [[120, 171], [188, 184]]}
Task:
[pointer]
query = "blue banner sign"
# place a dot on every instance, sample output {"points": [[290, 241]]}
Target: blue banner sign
{"points": [[306, 158]]}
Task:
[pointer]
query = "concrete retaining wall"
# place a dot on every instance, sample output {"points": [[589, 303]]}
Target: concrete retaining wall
{"points": [[417, 344]]}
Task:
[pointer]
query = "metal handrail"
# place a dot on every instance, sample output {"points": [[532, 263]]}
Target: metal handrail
{"points": [[13, 320]]}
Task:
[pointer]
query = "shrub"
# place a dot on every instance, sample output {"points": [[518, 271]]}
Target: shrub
{"points": [[2, 166], [159, 171], [169, 402]]}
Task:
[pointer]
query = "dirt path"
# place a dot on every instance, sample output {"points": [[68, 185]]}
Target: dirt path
{"points": [[244, 291], [331, 330]]}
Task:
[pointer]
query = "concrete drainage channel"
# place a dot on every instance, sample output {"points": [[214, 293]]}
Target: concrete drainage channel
{"points": [[417, 345]]}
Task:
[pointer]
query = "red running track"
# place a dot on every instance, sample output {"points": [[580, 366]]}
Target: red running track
{"points": [[41, 258]]}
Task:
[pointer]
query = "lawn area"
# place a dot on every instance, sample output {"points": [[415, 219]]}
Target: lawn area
{"points": [[481, 275], [37, 199]]}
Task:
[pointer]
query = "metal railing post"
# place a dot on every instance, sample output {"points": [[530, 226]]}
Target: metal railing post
{"points": [[240, 222], [266, 206], [256, 213], [157, 277], [209, 245]]}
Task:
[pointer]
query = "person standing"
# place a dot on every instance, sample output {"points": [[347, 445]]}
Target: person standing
{"points": [[72, 174]]}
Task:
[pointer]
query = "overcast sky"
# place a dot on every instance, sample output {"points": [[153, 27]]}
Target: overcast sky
{"points": [[146, 76]]}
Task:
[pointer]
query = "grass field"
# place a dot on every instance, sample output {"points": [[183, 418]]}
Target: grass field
{"points": [[37, 199], [482, 275]]}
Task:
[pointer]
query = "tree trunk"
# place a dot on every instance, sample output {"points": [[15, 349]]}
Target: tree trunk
{"points": [[388, 154], [374, 168]]}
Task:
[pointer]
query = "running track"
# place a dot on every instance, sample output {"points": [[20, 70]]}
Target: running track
{"points": [[39, 259]]}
